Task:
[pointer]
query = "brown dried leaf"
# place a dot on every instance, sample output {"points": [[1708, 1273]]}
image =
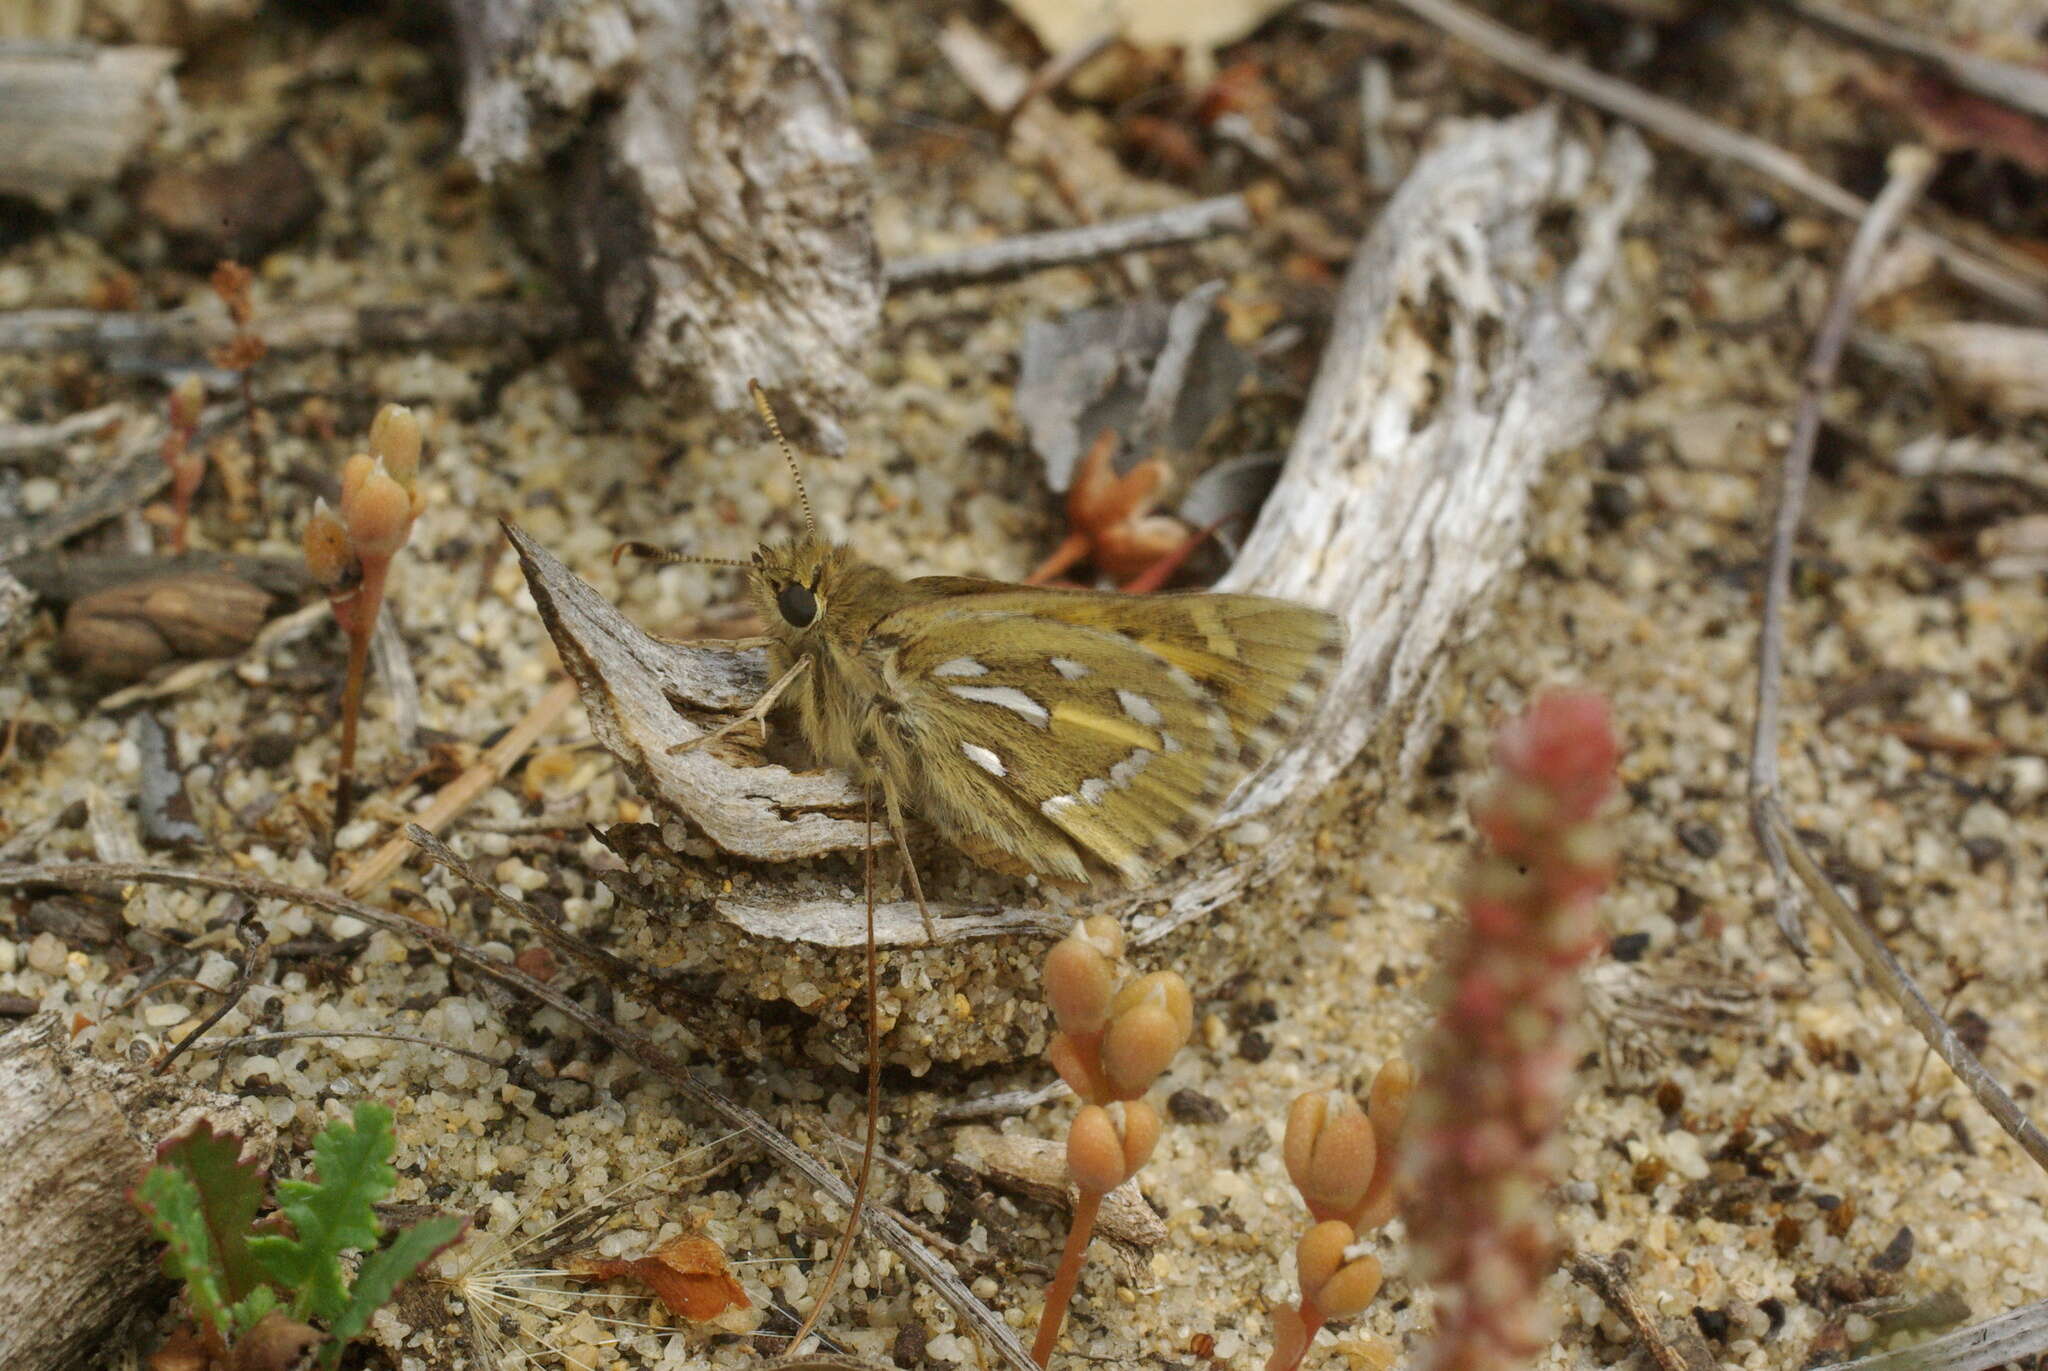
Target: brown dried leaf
{"points": [[687, 1273], [278, 1343]]}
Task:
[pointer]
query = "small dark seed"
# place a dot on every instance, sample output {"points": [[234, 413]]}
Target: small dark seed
{"points": [[1192, 1106], [1896, 1253], [1702, 840], [1713, 1323], [1254, 1048], [1629, 947]]}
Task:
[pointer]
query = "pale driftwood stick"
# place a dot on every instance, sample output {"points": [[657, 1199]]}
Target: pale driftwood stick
{"points": [[1877, 959], [77, 1132], [2008, 280], [2010, 84], [1028, 252], [460, 793], [72, 115], [944, 1280], [1911, 168], [189, 334], [2008, 1339]]}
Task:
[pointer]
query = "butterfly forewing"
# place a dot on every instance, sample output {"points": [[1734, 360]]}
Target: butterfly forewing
{"points": [[1056, 726]]}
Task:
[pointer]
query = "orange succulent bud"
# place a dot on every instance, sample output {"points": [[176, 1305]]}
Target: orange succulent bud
{"points": [[1150, 1021], [378, 512], [1330, 1152], [395, 437], [1095, 1154], [329, 557], [1079, 983]]}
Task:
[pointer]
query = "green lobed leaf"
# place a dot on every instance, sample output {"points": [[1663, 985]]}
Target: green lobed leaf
{"points": [[383, 1271], [230, 1193], [249, 1311], [170, 1202], [332, 1213]]}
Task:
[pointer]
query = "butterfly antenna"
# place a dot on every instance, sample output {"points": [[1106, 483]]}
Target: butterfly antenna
{"points": [[661, 556], [874, 1104], [788, 452]]}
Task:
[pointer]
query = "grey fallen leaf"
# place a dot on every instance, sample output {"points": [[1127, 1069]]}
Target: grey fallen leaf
{"points": [[1230, 495], [1089, 370]]}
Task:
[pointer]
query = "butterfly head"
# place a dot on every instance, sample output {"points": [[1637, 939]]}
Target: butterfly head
{"points": [[793, 583]]}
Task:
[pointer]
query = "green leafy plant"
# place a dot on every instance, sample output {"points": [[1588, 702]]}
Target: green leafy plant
{"points": [[260, 1283]]}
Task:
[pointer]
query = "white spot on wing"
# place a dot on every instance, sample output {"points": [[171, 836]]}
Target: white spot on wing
{"points": [[1052, 807], [1069, 668], [1008, 697], [960, 666], [1140, 708], [1126, 771], [1169, 743], [1092, 790], [985, 759]]}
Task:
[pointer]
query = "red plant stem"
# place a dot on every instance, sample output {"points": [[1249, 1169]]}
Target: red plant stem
{"points": [[1312, 1322], [259, 462], [360, 621], [1064, 1280], [1065, 555]]}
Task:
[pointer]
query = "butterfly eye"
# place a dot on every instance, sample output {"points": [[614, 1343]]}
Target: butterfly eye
{"points": [[797, 604]]}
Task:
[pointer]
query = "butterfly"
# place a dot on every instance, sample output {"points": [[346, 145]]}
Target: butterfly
{"points": [[1064, 734]]}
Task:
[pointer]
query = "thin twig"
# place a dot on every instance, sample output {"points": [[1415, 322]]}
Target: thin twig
{"points": [[944, 1280], [462, 792], [2016, 87], [188, 334], [1877, 959], [2008, 280], [264, 1039], [2007, 1340], [1607, 1277], [255, 941], [1028, 252], [1911, 167], [1054, 73]]}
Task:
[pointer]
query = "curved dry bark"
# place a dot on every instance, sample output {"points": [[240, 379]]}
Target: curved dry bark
{"points": [[716, 190], [1461, 359]]}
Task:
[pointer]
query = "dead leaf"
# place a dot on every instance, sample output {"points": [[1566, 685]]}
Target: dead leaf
{"points": [[1955, 119], [277, 1343], [182, 1351], [1064, 24], [687, 1273]]}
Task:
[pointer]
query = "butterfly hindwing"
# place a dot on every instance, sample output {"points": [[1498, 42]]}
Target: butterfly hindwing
{"points": [[1053, 727]]}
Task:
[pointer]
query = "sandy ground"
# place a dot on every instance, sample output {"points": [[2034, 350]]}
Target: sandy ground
{"points": [[1759, 1170]]}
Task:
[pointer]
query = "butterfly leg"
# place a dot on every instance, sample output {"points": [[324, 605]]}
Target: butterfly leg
{"points": [[756, 713], [874, 1101], [896, 828]]}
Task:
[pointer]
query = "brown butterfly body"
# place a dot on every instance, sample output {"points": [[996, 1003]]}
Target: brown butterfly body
{"points": [[1052, 732]]}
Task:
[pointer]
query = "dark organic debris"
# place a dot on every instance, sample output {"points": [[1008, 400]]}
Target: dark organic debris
{"points": [[239, 209]]}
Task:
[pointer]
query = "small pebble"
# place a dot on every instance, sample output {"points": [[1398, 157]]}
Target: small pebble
{"points": [[46, 954]]}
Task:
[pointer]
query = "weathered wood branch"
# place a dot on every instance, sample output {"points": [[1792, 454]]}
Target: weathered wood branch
{"points": [[1461, 359], [76, 1133], [72, 115], [717, 205]]}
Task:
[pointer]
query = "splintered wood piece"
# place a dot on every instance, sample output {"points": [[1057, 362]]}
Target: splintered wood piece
{"points": [[635, 688], [73, 115], [716, 189]]}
